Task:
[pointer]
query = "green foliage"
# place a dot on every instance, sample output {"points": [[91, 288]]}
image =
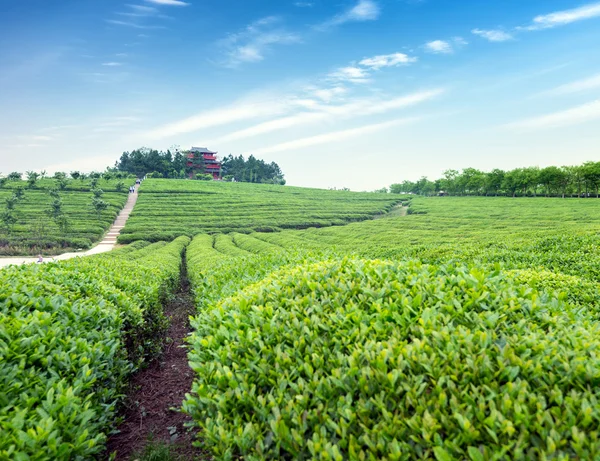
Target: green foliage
{"points": [[167, 208], [204, 177], [72, 333], [577, 181], [82, 227], [360, 359]]}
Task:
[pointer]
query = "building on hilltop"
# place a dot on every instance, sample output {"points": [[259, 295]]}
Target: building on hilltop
{"points": [[202, 160]]}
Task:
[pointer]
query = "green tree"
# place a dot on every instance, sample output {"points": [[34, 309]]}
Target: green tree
{"points": [[14, 176]]}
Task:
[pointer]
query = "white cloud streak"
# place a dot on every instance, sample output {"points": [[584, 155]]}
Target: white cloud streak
{"points": [[168, 2], [251, 44], [351, 74], [364, 10], [387, 60], [578, 86], [222, 116], [439, 47], [328, 113], [335, 136], [574, 116], [560, 18], [493, 35]]}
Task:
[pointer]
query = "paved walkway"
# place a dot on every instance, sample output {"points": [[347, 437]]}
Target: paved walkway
{"points": [[107, 244]]}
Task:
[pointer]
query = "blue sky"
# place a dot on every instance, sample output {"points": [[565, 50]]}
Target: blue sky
{"points": [[340, 93]]}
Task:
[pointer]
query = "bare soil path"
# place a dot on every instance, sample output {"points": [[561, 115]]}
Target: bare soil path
{"points": [[108, 242], [152, 416]]}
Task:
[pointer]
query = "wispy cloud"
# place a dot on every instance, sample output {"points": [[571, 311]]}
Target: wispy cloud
{"points": [[112, 64], [328, 94], [363, 10], [387, 60], [445, 46], [439, 47], [578, 86], [351, 74], [574, 116], [168, 2], [243, 110], [254, 41], [493, 35], [304, 4], [135, 25], [149, 10], [335, 136], [560, 18], [329, 113]]}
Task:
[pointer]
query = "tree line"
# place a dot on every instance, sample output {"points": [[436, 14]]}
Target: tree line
{"points": [[174, 164], [566, 181]]}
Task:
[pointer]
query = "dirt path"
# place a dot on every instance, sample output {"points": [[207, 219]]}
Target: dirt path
{"points": [[108, 242], [152, 421]]}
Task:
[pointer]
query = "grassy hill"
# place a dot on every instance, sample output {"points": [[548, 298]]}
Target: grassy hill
{"points": [[169, 208], [34, 229]]}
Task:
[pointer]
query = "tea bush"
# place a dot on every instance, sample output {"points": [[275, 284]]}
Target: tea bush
{"points": [[354, 359], [70, 335]]}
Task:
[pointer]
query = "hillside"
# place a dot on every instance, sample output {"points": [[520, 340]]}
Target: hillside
{"points": [[169, 208], [33, 228]]}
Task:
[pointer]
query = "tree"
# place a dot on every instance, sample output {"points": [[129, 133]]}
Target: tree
{"points": [[99, 205], [591, 175], [493, 181], [19, 193], [98, 193], [120, 186], [32, 179], [204, 177], [59, 175], [14, 176], [8, 220], [93, 183]]}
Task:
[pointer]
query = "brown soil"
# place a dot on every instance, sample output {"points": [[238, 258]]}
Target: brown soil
{"points": [[152, 412]]}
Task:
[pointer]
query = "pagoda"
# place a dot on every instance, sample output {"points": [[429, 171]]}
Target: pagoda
{"points": [[202, 159]]}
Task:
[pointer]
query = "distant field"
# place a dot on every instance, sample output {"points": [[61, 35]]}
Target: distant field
{"points": [[450, 226], [35, 230], [169, 208]]}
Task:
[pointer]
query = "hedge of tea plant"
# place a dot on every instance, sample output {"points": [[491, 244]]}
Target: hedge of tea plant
{"points": [[71, 333], [369, 360], [169, 207]]}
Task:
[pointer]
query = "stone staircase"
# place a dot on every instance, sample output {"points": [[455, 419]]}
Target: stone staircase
{"points": [[111, 236]]}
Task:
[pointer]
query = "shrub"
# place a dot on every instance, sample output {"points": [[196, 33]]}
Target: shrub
{"points": [[378, 360]]}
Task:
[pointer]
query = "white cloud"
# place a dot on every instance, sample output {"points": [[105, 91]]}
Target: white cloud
{"points": [[351, 74], [328, 94], [335, 136], [439, 46], [493, 35], [251, 44], [387, 60], [577, 86], [364, 10], [559, 18], [168, 2], [112, 64], [144, 9], [243, 110], [328, 113], [304, 4], [573, 116], [132, 24]]}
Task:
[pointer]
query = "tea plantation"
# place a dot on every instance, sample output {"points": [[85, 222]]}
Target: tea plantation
{"points": [[468, 329], [33, 227]]}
